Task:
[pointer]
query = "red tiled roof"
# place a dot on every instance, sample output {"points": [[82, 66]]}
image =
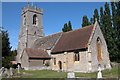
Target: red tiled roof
{"points": [[13, 62], [37, 53], [73, 40]]}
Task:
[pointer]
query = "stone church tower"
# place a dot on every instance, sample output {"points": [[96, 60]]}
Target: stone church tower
{"points": [[31, 28]]}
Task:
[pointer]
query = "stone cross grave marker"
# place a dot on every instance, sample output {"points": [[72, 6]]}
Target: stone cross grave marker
{"points": [[99, 75], [18, 68]]}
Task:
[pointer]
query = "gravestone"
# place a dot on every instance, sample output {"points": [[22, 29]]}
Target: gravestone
{"points": [[18, 68], [99, 75], [71, 75], [11, 72], [1, 72], [6, 73]]}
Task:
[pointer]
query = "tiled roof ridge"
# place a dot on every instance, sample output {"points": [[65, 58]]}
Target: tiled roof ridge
{"points": [[57, 41], [36, 53], [80, 28], [52, 34], [67, 42]]}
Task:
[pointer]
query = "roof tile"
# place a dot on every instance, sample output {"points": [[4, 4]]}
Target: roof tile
{"points": [[72, 40], [37, 53]]}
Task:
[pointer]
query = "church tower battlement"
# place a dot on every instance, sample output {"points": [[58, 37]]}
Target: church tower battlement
{"points": [[31, 28]]}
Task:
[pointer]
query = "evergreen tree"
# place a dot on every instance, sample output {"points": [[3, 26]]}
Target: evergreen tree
{"points": [[96, 15], [64, 29], [113, 14], [67, 27], [109, 33], [117, 27], [102, 21], [6, 50], [85, 21], [14, 52]]}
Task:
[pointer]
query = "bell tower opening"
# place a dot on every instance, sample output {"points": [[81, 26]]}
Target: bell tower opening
{"points": [[35, 19]]}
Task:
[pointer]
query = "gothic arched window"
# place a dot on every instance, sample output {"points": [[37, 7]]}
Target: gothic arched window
{"points": [[99, 49], [35, 19]]}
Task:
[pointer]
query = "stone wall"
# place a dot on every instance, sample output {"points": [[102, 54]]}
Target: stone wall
{"points": [[68, 63], [105, 63], [38, 64], [25, 61]]}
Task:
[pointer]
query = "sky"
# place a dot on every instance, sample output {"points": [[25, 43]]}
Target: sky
{"points": [[55, 15]]}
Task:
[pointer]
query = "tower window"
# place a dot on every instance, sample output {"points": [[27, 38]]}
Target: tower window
{"points": [[35, 19], [99, 49]]}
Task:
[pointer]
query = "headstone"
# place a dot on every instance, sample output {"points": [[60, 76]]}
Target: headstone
{"points": [[18, 68], [58, 70], [6, 73], [99, 75], [1, 72], [71, 75], [11, 72]]}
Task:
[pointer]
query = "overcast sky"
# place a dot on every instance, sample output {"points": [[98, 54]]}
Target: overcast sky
{"points": [[56, 14]]}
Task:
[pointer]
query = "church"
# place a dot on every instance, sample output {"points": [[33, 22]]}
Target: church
{"points": [[80, 50]]}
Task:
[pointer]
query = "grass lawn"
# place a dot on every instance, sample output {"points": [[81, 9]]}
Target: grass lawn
{"points": [[45, 74], [113, 73]]}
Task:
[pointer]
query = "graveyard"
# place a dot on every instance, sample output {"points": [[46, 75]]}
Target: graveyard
{"points": [[40, 54], [113, 73]]}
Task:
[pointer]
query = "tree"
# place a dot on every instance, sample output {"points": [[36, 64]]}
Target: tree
{"points": [[67, 27], [96, 15], [102, 21], [85, 21], [6, 50], [109, 34], [117, 27], [14, 52]]}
